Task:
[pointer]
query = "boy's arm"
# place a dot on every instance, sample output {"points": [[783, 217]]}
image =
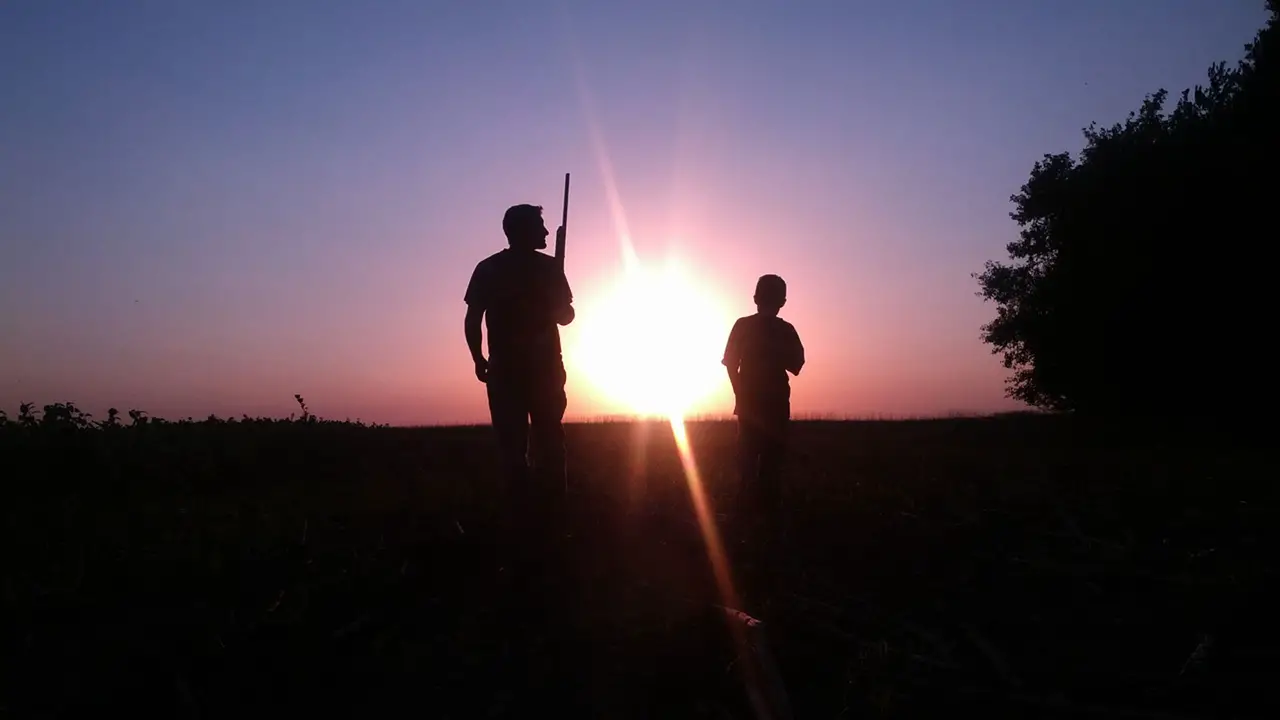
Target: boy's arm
{"points": [[733, 378], [795, 358], [733, 357]]}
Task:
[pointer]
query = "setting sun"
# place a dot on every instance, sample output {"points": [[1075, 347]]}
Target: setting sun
{"points": [[653, 342]]}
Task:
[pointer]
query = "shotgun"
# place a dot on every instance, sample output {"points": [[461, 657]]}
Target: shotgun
{"points": [[564, 223]]}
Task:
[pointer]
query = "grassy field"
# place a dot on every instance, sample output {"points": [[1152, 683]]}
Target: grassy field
{"points": [[1017, 566]]}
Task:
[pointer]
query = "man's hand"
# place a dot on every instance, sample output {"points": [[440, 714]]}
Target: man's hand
{"points": [[564, 315], [559, 236], [482, 370]]}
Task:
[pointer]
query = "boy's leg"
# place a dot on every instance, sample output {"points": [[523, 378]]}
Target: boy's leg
{"points": [[748, 464], [768, 494], [773, 455], [758, 451]]}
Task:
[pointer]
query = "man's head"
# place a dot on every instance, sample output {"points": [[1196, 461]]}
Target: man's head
{"points": [[771, 294], [524, 227]]}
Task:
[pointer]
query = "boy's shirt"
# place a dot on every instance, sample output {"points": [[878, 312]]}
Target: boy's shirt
{"points": [[762, 347]]}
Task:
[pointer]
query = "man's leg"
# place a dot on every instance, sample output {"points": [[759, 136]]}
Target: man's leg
{"points": [[508, 409], [546, 505], [546, 414]]}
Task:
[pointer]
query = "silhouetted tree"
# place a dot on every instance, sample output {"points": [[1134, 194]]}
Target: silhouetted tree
{"points": [[1135, 286]]}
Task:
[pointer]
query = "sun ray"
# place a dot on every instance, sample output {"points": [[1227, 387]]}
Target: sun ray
{"points": [[706, 517], [656, 344], [604, 163]]}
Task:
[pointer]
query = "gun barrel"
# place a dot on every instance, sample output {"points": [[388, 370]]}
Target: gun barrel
{"points": [[564, 222]]}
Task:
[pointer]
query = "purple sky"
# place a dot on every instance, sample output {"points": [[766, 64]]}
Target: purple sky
{"points": [[210, 207]]}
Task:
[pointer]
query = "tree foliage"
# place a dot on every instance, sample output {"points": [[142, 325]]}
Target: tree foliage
{"points": [[1135, 285]]}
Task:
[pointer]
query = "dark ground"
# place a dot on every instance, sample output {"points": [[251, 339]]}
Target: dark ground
{"points": [[1013, 567]]}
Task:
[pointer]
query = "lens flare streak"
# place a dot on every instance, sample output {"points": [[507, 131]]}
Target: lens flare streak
{"points": [[676, 406], [706, 518]]}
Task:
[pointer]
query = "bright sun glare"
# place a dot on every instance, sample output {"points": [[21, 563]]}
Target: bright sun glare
{"points": [[653, 342]]}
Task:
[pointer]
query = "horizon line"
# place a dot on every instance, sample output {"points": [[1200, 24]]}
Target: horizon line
{"points": [[723, 417]]}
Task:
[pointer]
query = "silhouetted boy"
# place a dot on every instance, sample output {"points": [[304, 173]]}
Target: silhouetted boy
{"points": [[762, 349]]}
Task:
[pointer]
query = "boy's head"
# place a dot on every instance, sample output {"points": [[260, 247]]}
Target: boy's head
{"points": [[771, 294], [524, 228]]}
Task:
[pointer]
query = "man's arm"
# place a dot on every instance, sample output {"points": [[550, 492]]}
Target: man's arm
{"points": [[474, 333], [564, 315], [476, 300], [562, 311]]}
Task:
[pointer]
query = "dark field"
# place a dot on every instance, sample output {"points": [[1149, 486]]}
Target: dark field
{"points": [[1013, 566]]}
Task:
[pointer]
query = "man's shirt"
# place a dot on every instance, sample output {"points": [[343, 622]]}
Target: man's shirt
{"points": [[520, 292]]}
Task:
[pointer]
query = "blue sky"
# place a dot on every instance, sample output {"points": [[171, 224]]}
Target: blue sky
{"points": [[209, 207]]}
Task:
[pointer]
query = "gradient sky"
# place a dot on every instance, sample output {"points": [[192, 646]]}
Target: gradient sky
{"points": [[208, 207]]}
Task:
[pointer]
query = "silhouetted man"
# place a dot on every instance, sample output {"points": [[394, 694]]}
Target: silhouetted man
{"points": [[762, 349], [523, 295]]}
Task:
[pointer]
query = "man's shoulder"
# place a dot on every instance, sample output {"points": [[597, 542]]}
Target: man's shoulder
{"points": [[507, 259], [492, 260], [496, 267], [545, 263], [480, 286]]}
